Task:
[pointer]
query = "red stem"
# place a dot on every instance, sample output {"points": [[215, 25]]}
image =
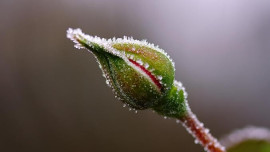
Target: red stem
{"points": [[201, 134]]}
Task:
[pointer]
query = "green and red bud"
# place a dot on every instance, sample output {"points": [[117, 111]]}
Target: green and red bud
{"points": [[141, 74]]}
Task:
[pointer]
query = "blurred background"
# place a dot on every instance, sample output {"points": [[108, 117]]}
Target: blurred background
{"points": [[54, 99]]}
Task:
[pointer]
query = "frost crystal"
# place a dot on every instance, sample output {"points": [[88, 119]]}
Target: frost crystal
{"points": [[147, 61], [201, 134], [159, 77], [76, 35], [130, 40], [146, 65]]}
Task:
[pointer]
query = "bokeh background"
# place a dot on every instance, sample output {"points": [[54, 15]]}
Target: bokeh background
{"points": [[54, 99]]}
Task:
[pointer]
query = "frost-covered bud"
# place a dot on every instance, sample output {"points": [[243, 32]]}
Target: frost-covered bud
{"points": [[140, 73]]}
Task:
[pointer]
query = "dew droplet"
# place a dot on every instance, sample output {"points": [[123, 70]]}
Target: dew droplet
{"points": [[146, 65], [140, 62], [159, 77]]}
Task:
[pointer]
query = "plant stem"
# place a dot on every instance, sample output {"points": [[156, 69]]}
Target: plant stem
{"points": [[201, 134]]}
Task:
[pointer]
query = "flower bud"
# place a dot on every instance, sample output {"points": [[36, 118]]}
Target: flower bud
{"points": [[140, 73]]}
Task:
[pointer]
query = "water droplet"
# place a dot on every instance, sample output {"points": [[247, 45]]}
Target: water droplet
{"points": [[165, 117], [140, 62], [146, 65], [201, 124], [124, 105], [107, 82], [159, 77], [78, 46]]}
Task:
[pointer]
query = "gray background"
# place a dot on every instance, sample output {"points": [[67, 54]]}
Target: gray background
{"points": [[54, 99]]}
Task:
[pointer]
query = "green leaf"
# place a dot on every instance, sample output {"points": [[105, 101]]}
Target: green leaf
{"points": [[249, 139], [251, 146]]}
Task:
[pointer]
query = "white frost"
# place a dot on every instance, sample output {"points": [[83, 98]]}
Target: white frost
{"points": [[180, 86], [77, 34]]}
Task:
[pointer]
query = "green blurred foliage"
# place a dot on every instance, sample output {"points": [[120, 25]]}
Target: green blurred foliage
{"points": [[251, 146]]}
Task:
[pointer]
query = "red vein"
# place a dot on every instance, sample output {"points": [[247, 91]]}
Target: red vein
{"points": [[152, 77]]}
